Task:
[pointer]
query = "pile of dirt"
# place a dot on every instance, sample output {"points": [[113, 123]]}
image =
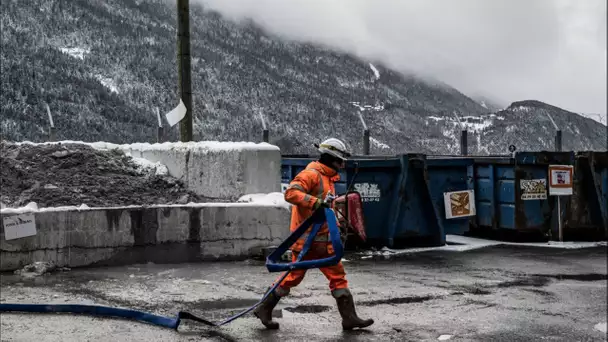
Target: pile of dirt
{"points": [[73, 174]]}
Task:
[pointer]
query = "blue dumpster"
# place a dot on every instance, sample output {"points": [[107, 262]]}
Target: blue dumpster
{"points": [[511, 192], [447, 175], [587, 214], [397, 205]]}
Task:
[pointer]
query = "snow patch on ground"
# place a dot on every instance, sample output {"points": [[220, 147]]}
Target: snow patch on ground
{"points": [[274, 199], [521, 109], [475, 124], [257, 200], [376, 72], [603, 327], [464, 243], [167, 146], [32, 207], [77, 53], [147, 167], [379, 144], [364, 108], [108, 83]]}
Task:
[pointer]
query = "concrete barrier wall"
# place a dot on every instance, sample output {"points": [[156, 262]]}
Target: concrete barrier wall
{"points": [[160, 234], [221, 170], [216, 170]]}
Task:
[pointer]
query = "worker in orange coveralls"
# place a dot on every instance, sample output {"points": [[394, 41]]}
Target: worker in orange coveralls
{"points": [[306, 192]]}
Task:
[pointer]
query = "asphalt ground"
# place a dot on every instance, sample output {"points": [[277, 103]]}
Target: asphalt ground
{"points": [[496, 293]]}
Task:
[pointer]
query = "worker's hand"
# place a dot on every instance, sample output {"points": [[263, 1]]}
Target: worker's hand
{"points": [[320, 203]]}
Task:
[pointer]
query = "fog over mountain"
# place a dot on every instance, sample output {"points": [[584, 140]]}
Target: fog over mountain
{"points": [[507, 50]]}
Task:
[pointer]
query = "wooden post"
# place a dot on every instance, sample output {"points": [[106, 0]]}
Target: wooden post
{"points": [[366, 142], [51, 123], [464, 143], [160, 134], [265, 133], [366, 136], [265, 136], [183, 67], [558, 140]]}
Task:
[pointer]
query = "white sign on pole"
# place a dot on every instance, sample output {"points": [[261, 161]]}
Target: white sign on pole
{"points": [[459, 204], [561, 180], [19, 226], [177, 114]]}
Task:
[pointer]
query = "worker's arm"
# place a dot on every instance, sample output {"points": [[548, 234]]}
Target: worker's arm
{"points": [[300, 189]]}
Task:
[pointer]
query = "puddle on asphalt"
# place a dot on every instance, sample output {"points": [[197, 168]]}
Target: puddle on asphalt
{"points": [[398, 300], [579, 277], [536, 281], [308, 308]]}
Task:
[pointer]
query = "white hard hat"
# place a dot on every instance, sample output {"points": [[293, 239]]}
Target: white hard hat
{"points": [[334, 147]]}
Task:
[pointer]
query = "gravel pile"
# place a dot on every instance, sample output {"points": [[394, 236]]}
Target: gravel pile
{"points": [[73, 174]]}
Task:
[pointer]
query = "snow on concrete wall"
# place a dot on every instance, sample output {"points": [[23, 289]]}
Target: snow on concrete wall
{"points": [[222, 170], [159, 234]]}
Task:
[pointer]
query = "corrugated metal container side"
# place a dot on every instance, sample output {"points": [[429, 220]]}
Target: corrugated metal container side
{"points": [[450, 174], [501, 201]]}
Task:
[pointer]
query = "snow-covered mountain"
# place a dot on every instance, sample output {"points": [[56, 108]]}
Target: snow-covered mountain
{"points": [[105, 66]]}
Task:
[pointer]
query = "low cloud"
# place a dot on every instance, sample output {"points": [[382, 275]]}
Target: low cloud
{"points": [[508, 50]]}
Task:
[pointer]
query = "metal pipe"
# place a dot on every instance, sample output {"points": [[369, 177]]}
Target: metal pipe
{"points": [[559, 220], [183, 67]]}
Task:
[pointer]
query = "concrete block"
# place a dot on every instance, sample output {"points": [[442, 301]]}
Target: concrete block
{"points": [[159, 234], [219, 170]]}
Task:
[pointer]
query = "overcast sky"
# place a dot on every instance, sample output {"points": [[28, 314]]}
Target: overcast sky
{"points": [[549, 50]]}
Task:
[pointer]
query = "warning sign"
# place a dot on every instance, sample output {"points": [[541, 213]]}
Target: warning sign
{"points": [[560, 180], [19, 226], [533, 189], [459, 204]]}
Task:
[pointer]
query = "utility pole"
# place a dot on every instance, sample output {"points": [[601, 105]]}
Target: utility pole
{"points": [[183, 67]]}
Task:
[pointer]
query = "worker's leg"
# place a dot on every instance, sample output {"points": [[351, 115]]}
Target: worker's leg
{"points": [[336, 276], [264, 311], [293, 279], [344, 299]]}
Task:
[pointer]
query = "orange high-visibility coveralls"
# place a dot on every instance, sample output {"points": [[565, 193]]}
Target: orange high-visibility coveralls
{"points": [[307, 187]]}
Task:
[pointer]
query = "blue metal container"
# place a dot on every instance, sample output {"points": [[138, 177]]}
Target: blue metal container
{"points": [[397, 205], [587, 214], [509, 192], [450, 174]]}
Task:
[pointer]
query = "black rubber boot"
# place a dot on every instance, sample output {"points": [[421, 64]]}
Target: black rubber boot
{"points": [[346, 307], [264, 311]]}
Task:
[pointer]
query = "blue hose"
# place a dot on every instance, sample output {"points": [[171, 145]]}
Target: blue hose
{"points": [[316, 220]]}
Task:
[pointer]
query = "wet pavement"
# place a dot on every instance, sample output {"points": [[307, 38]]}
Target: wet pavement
{"points": [[497, 293]]}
